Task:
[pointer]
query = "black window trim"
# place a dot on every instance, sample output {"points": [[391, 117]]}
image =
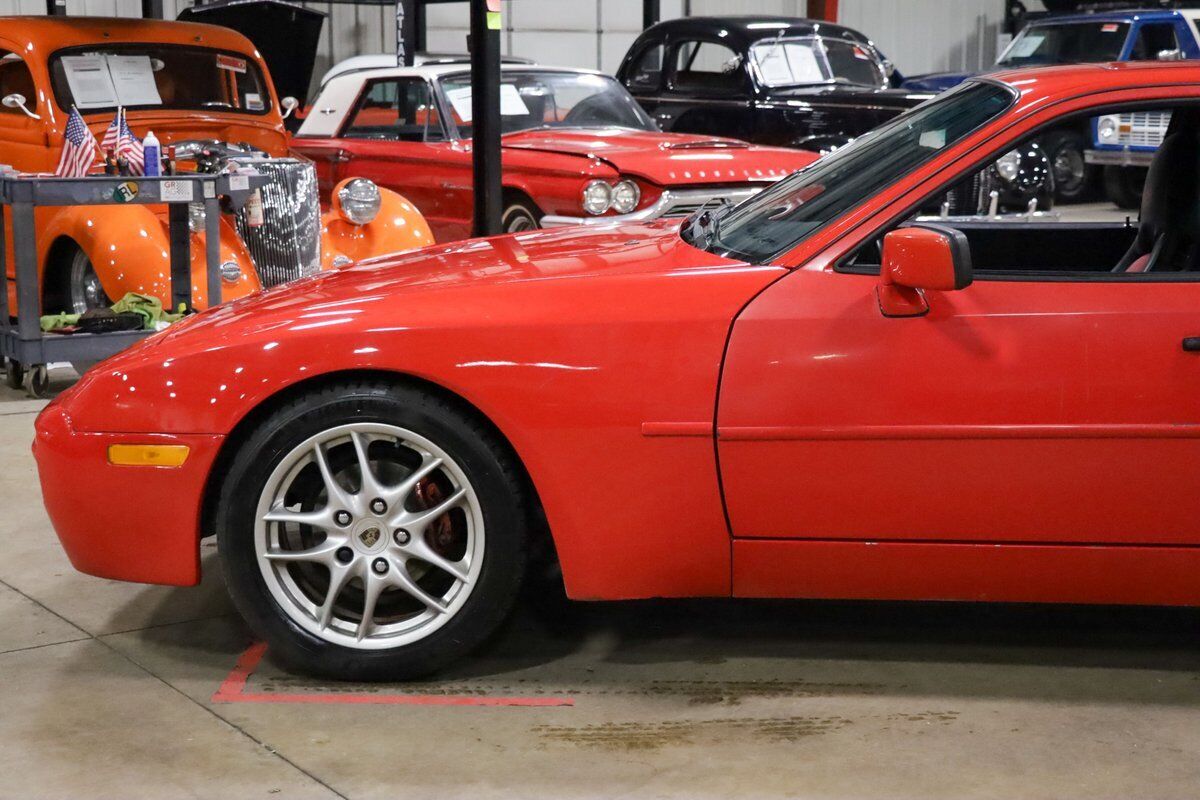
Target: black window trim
{"points": [[636, 59], [365, 89], [896, 220], [670, 68]]}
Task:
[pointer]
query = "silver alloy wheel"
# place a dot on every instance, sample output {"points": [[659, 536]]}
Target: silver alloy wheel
{"points": [[369, 536], [85, 290]]}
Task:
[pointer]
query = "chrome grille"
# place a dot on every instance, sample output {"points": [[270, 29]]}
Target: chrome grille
{"points": [[288, 243], [1144, 128]]}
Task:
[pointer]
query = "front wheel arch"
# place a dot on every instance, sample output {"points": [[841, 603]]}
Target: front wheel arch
{"points": [[542, 550]]}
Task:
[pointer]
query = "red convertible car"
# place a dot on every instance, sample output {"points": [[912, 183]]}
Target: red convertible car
{"points": [[577, 148], [813, 394]]}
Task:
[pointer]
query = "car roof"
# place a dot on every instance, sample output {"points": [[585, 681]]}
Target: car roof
{"points": [[743, 31], [1055, 83], [432, 71], [1122, 15], [368, 61], [46, 34]]}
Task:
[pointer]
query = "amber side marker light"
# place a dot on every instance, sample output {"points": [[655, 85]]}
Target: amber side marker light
{"points": [[147, 455]]}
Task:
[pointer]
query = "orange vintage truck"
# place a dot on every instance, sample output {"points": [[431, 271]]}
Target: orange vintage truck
{"points": [[205, 91]]}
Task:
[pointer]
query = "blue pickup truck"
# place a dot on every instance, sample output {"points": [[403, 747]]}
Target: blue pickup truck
{"points": [[1112, 150]]}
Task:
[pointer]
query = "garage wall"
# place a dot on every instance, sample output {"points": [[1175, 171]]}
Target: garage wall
{"points": [[924, 36]]}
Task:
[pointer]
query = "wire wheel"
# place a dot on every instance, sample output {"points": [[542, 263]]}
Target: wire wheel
{"points": [[369, 536]]}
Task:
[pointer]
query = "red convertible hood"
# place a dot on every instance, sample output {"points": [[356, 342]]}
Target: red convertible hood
{"points": [[667, 159]]}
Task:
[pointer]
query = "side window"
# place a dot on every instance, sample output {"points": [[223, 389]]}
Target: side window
{"points": [[707, 67], [15, 78], [1098, 240], [646, 72], [1154, 38], [396, 110]]}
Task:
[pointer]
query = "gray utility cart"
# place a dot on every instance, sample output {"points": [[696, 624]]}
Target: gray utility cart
{"points": [[24, 348]]}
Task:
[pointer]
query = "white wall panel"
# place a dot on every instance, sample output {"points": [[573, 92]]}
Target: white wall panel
{"points": [[931, 36]]}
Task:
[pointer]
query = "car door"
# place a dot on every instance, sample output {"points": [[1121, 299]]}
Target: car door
{"points": [[395, 136], [708, 90], [1032, 407]]}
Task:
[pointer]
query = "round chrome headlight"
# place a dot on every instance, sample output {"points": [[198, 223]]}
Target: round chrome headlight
{"points": [[1108, 130], [197, 217], [1009, 166], [231, 271], [597, 197], [360, 200], [625, 197]]}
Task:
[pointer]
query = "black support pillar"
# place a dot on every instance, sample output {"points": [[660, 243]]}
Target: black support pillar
{"points": [[485, 114], [152, 9], [56, 8], [406, 31], [651, 12]]}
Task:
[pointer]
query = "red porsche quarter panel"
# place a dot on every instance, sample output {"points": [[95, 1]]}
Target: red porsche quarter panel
{"points": [[595, 352]]}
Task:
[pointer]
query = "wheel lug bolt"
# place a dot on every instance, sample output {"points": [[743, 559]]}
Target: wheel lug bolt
{"points": [[378, 506], [403, 537], [343, 518], [380, 566], [345, 555]]}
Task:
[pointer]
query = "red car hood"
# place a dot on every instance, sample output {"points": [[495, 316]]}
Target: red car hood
{"points": [[667, 159]]}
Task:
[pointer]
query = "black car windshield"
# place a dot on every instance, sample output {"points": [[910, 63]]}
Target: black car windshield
{"points": [[99, 78], [550, 100], [815, 59], [781, 217], [1066, 43]]}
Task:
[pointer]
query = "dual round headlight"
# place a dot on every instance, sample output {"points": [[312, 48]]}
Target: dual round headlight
{"points": [[359, 201], [599, 197]]}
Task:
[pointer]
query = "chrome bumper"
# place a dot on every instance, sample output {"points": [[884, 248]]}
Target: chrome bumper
{"points": [[1119, 158], [672, 203]]}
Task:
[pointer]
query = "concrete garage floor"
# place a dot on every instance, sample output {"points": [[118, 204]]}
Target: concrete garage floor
{"points": [[107, 690]]}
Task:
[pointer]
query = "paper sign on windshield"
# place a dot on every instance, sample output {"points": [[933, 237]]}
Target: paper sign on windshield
{"points": [[133, 78], [90, 82], [1027, 46], [511, 104], [112, 80]]}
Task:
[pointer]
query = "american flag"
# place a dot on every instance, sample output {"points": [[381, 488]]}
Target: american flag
{"points": [[122, 142], [79, 148]]}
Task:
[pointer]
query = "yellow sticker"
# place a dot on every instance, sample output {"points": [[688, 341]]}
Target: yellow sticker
{"points": [[493, 20]]}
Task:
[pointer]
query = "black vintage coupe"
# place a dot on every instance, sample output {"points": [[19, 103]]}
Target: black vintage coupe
{"points": [[769, 80]]}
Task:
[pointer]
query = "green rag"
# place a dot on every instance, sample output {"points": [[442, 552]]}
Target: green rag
{"points": [[148, 308]]}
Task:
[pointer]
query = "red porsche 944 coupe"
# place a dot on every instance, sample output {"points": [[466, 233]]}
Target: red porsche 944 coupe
{"points": [[827, 391]]}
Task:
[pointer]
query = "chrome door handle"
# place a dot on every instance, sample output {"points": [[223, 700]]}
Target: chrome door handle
{"points": [[341, 157]]}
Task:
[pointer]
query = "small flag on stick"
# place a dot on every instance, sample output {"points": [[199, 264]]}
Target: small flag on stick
{"points": [[79, 148]]}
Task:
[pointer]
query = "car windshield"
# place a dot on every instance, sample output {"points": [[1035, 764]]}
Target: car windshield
{"points": [[550, 100], [814, 59], [1066, 43], [781, 217], [157, 76]]}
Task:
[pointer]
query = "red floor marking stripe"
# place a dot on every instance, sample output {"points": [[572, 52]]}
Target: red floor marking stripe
{"points": [[233, 690]]}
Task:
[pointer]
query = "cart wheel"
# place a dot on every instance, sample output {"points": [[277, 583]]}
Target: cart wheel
{"points": [[37, 381], [14, 374]]}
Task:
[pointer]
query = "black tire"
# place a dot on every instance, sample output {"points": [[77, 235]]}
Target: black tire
{"points": [[489, 466], [1075, 180], [1124, 185], [14, 374], [520, 216], [72, 286]]}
